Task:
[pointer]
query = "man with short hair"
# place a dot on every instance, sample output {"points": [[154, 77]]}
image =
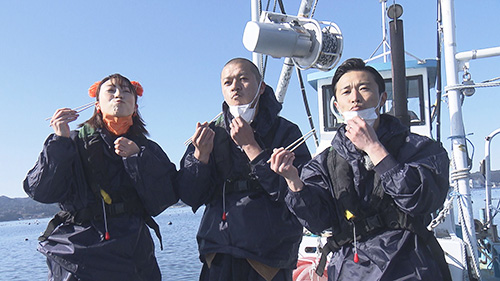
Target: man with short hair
{"points": [[375, 187], [247, 231]]}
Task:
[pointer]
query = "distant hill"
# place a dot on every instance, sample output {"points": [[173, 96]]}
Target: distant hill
{"points": [[24, 208], [27, 208], [478, 179]]}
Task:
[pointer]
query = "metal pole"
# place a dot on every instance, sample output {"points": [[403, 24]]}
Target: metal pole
{"points": [[487, 181], [439, 78], [384, 29], [478, 54], [256, 57], [306, 105], [284, 80], [400, 97], [286, 70], [460, 158]]}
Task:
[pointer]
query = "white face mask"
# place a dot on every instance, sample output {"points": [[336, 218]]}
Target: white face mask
{"points": [[245, 111], [370, 115]]}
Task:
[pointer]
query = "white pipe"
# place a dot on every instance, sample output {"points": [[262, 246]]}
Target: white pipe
{"points": [[284, 80], [305, 8], [286, 70], [478, 54], [487, 169], [457, 129], [379, 56], [255, 10], [384, 30]]}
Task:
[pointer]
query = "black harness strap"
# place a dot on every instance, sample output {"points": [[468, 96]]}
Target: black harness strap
{"points": [[233, 186], [224, 161], [95, 212], [222, 148], [59, 218], [154, 226]]}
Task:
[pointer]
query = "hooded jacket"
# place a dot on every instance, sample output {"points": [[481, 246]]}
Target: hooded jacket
{"points": [[414, 175], [80, 248], [258, 225]]}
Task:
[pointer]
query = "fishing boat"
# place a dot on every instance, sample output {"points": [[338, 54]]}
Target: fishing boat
{"points": [[472, 246]]}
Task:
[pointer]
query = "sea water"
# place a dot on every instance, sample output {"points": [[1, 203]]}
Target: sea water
{"points": [[178, 261], [20, 261], [478, 199]]}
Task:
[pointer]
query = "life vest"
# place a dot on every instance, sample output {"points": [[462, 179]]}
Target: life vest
{"points": [[381, 213], [243, 179], [91, 149]]}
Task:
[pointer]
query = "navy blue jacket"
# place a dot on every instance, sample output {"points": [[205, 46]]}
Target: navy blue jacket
{"points": [[416, 179], [59, 177], [258, 226]]}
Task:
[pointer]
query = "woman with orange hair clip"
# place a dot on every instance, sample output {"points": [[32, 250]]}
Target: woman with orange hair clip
{"points": [[109, 180]]}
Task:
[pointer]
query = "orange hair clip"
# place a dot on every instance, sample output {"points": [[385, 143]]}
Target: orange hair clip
{"points": [[93, 89], [138, 88]]}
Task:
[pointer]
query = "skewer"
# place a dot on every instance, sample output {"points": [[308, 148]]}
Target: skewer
{"points": [[188, 141], [78, 109]]}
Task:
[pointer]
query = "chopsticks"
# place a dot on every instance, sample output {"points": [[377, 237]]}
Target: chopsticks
{"points": [[300, 141], [188, 141], [294, 145], [78, 109]]}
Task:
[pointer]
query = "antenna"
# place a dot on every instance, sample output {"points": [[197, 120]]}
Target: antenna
{"points": [[394, 11]]}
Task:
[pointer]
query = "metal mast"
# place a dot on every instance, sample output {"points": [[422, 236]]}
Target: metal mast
{"points": [[460, 171], [286, 70], [255, 11]]}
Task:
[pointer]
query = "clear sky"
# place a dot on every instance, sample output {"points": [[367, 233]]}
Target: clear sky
{"points": [[51, 52]]}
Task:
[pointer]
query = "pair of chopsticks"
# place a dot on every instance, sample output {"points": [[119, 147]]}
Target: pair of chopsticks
{"points": [[294, 145], [188, 141], [78, 109], [300, 141]]}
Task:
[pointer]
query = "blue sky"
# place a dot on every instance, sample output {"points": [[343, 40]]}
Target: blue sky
{"points": [[53, 51]]}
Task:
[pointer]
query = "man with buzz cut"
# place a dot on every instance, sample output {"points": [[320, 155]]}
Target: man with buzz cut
{"points": [[247, 231]]}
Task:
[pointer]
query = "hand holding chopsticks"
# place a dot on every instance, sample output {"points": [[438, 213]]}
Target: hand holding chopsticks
{"points": [[300, 141], [61, 119], [294, 145], [188, 141], [78, 109], [281, 162]]}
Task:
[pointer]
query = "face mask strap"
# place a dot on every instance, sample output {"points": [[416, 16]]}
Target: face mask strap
{"points": [[378, 104], [256, 97]]}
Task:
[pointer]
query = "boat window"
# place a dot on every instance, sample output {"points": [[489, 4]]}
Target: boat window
{"points": [[310, 250], [415, 92], [416, 106]]}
